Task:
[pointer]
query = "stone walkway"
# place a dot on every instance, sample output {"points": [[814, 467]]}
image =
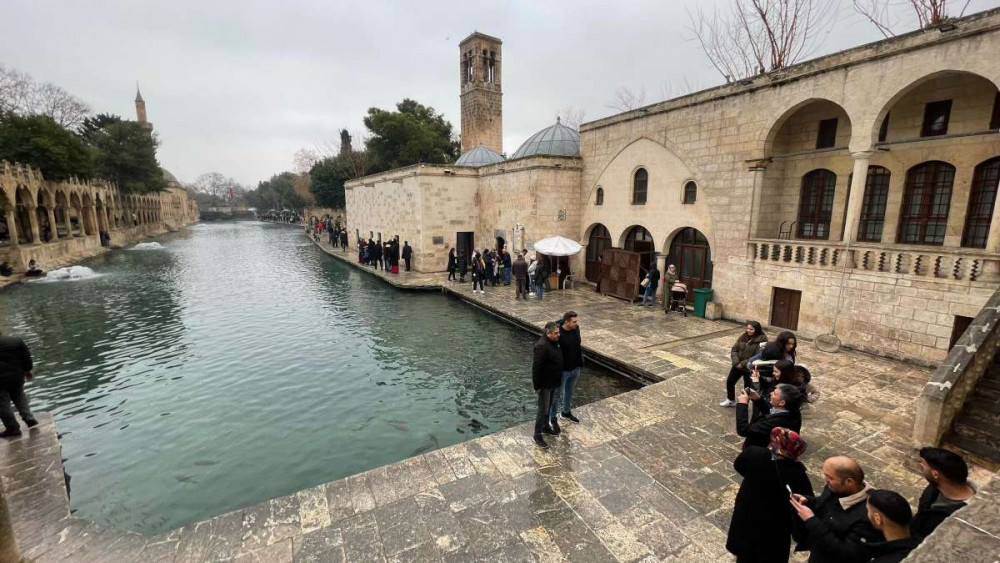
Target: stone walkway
{"points": [[647, 475]]}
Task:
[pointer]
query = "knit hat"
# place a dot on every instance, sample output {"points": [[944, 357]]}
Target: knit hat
{"points": [[787, 443]]}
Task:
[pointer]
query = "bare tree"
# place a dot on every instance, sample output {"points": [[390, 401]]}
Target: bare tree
{"points": [[20, 94], [627, 100], [927, 12], [572, 117], [676, 89], [304, 159], [358, 160], [757, 36], [217, 185], [64, 108]]}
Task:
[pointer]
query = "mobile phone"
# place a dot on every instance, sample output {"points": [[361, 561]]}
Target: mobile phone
{"points": [[789, 489]]}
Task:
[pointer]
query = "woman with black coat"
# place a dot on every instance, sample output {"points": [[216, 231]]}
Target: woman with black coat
{"points": [[746, 347], [762, 523], [452, 265]]}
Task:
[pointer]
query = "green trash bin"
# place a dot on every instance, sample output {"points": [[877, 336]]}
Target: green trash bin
{"points": [[702, 296]]}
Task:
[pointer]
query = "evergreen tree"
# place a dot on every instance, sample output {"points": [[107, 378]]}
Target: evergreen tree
{"points": [[412, 134], [40, 142], [126, 155]]}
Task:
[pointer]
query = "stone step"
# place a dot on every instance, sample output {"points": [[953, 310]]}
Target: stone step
{"points": [[983, 440], [974, 446]]}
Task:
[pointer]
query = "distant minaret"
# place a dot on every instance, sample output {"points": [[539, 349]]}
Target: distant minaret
{"points": [[482, 98], [140, 106]]}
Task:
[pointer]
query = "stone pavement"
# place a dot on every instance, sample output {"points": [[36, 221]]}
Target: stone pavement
{"points": [[647, 475]]}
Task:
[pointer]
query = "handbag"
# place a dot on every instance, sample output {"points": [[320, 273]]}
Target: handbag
{"points": [[644, 282]]}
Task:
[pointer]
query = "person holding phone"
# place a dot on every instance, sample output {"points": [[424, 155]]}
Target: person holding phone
{"points": [[784, 404], [770, 475]]}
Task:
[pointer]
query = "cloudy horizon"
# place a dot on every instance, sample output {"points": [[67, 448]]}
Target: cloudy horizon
{"points": [[238, 88]]}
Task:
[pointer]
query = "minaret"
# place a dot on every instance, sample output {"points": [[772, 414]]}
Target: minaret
{"points": [[482, 104], [140, 106]]}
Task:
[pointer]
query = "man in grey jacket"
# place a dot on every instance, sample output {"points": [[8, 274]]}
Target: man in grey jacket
{"points": [[15, 368]]}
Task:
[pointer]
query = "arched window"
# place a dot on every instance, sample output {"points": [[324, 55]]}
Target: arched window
{"points": [[873, 205], [983, 195], [926, 201], [816, 204], [690, 193], [599, 241], [600, 197], [639, 183]]}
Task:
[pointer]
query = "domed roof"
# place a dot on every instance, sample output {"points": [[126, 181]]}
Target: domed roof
{"points": [[556, 140], [479, 156], [170, 178]]}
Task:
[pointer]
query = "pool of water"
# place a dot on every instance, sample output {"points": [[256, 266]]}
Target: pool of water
{"points": [[239, 363]]}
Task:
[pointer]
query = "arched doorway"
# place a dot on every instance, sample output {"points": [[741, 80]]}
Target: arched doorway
{"points": [[640, 241], [597, 243], [690, 252]]}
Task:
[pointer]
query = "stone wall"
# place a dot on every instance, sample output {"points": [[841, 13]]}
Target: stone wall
{"points": [[748, 145]]}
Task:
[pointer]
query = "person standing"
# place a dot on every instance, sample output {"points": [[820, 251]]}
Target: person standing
{"points": [[571, 344], [15, 369], [463, 267], [747, 346], [506, 265], [546, 371], [451, 265], [761, 527], [520, 271], [407, 254], [541, 276], [837, 529], [670, 277], [343, 239], [652, 283], [948, 489], [488, 267], [478, 271], [890, 514]]}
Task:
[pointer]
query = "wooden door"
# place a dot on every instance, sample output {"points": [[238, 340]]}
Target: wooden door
{"points": [[620, 274], [785, 308], [694, 268], [465, 244]]}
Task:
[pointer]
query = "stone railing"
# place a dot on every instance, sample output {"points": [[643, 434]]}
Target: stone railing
{"points": [[924, 261], [954, 380]]}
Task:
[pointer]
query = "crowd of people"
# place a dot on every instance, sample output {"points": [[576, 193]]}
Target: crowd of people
{"points": [[528, 275], [850, 520]]}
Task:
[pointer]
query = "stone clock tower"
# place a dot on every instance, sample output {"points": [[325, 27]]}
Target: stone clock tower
{"points": [[482, 107]]}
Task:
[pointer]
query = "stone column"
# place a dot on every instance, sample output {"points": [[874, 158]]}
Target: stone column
{"points": [[92, 215], [68, 223], [856, 196], [52, 225], [8, 547], [756, 169], [12, 226], [33, 225]]}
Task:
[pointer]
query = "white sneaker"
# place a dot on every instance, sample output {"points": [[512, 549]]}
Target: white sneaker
{"points": [[727, 403]]}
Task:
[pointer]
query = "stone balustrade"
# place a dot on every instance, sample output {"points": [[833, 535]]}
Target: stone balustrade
{"points": [[960, 264]]}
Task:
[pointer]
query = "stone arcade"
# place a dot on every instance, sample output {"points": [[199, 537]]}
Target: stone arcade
{"points": [[856, 189]]}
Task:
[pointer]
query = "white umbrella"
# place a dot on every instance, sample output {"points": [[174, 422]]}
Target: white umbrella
{"points": [[557, 246]]}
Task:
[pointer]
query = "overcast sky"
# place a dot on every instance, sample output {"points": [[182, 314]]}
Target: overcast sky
{"points": [[238, 86]]}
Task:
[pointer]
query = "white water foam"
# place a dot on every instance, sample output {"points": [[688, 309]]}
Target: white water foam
{"points": [[71, 273], [148, 246]]}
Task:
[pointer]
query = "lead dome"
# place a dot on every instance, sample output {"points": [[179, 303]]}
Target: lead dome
{"points": [[555, 140], [479, 156]]}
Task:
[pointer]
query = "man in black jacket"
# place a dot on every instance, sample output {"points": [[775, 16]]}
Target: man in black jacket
{"points": [[948, 489], [407, 253], [837, 529], [15, 368], [785, 401], [546, 373], [890, 514], [570, 342]]}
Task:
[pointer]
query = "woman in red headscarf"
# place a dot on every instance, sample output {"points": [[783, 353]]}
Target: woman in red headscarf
{"points": [[761, 528]]}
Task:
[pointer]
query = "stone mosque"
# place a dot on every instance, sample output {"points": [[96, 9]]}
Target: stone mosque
{"points": [[855, 191]]}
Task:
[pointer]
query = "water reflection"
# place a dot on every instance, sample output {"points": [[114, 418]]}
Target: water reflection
{"points": [[240, 363]]}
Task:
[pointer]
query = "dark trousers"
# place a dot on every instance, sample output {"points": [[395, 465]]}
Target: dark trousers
{"points": [[544, 405], [734, 374], [12, 391], [451, 274], [477, 280], [522, 288], [407, 260]]}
